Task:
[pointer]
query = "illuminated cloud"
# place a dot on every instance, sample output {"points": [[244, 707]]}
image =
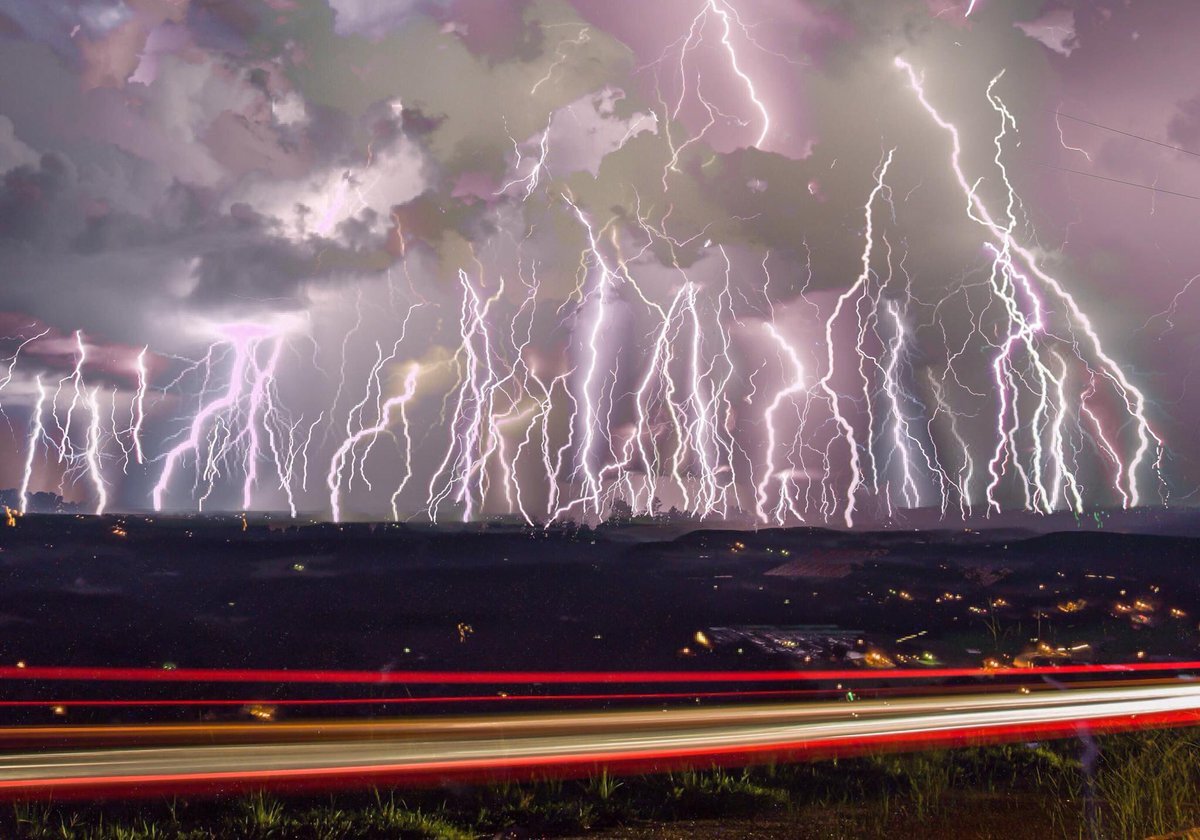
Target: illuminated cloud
{"points": [[13, 152], [1055, 30]]}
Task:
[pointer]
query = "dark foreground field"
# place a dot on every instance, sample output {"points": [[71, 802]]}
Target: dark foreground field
{"points": [[1129, 786], [215, 592]]}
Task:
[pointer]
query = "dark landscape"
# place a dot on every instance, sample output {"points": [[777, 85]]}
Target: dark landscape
{"points": [[214, 592]]}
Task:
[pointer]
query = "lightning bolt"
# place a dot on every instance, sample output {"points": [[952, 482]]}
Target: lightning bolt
{"points": [[397, 405], [1016, 267], [227, 431], [35, 435], [843, 424], [727, 20]]}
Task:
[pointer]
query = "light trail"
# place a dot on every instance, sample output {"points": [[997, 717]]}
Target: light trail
{"points": [[287, 676], [334, 753], [403, 700], [11, 734]]}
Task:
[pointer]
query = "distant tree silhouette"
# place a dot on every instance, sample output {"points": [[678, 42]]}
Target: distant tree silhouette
{"points": [[41, 502], [621, 513]]}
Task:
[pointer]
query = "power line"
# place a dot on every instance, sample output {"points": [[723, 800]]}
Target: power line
{"points": [[1119, 181], [1129, 134]]}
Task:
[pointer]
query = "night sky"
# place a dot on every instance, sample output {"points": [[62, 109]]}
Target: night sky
{"points": [[375, 258]]}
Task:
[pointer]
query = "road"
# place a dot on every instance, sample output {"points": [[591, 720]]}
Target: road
{"points": [[156, 758]]}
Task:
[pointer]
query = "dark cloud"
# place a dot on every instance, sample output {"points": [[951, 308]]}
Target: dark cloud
{"points": [[38, 203], [255, 272], [1184, 127]]}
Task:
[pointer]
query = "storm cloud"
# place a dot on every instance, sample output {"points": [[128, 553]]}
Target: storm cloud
{"points": [[357, 179]]}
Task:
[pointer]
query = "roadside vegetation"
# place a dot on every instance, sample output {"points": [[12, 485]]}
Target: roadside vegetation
{"points": [[1127, 786]]}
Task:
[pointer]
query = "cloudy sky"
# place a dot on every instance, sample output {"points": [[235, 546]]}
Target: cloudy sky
{"points": [[461, 257]]}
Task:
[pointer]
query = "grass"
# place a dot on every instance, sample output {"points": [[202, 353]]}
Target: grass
{"points": [[1127, 786], [1149, 784]]}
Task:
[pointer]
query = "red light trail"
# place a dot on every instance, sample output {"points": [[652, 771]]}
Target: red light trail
{"points": [[219, 758], [287, 676]]}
